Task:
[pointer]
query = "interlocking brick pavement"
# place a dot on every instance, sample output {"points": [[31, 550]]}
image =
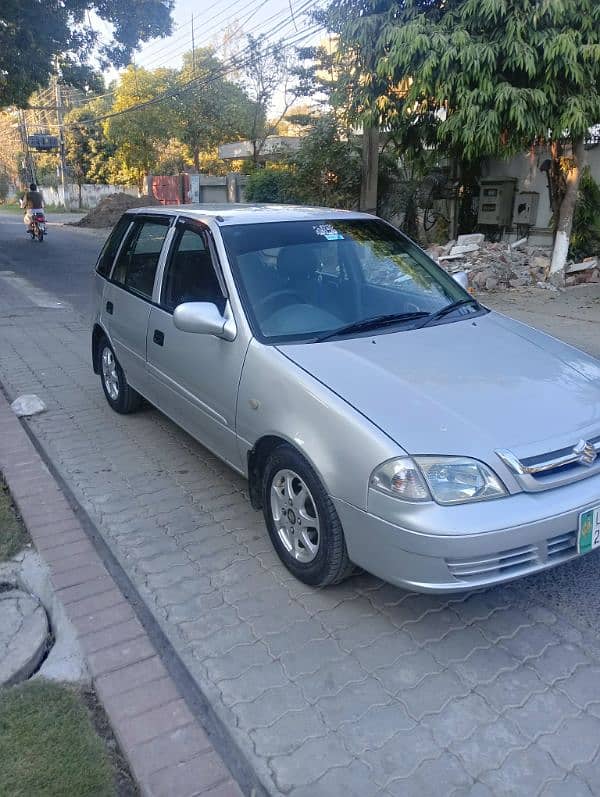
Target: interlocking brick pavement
{"points": [[142, 700], [360, 689]]}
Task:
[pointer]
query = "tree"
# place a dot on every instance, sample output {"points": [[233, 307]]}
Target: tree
{"points": [[138, 134], [269, 68], [87, 149], [324, 171], [33, 36], [213, 110], [499, 75]]}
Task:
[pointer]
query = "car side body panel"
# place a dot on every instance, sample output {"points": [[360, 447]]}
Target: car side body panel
{"points": [[277, 398]]}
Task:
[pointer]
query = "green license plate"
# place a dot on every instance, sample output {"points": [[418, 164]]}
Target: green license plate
{"points": [[588, 537]]}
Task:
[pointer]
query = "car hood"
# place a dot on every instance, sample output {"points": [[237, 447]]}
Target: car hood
{"points": [[465, 387]]}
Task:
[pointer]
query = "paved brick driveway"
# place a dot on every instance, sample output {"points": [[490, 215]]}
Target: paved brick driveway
{"points": [[362, 689]]}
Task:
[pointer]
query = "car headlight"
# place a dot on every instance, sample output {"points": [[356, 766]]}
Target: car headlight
{"points": [[448, 480]]}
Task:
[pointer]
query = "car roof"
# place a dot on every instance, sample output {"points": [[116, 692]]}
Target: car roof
{"points": [[252, 214]]}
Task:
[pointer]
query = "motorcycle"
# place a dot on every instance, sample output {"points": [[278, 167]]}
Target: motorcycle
{"points": [[37, 226]]}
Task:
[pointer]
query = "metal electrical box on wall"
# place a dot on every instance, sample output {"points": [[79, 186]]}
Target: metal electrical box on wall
{"points": [[526, 208], [496, 197]]}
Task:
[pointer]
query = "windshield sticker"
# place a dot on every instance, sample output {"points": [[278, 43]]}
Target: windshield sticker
{"points": [[328, 232]]}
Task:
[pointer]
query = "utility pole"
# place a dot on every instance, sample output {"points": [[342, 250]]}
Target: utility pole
{"points": [[370, 166], [61, 140], [193, 50], [29, 165]]}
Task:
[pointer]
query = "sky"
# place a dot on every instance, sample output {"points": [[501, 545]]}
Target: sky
{"points": [[279, 18]]}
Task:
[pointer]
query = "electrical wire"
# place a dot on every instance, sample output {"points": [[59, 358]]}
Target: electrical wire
{"points": [[194, 82], [281, 12], [235, 63], [304, 8]]}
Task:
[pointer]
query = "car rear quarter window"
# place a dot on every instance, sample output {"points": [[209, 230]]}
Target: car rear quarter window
{"points": [[138, 260], [111, 246]]}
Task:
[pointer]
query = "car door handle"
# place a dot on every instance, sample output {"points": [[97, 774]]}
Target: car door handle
{"points": [[109, 308], [158, 337]]}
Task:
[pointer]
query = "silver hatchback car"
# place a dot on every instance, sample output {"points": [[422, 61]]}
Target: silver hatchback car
{"points": [[382, 415]]}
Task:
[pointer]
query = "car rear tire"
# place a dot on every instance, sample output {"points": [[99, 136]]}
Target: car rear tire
{"points": [[121, 397], [302, 522]]}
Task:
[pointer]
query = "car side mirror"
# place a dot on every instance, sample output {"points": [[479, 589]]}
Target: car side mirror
{"points": [[205, 318], [462, 278]]}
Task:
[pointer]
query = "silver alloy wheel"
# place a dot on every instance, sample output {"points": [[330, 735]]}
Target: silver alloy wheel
{"points": [[295, 516], [109, 373]]}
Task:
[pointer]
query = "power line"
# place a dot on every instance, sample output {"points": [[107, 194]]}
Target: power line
{"points": [[207, 35], [235, 62], [194, 82], [304, 8], [168, 46]]}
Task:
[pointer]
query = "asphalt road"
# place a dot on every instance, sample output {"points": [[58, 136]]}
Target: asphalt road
{"points": [[63, 266]]}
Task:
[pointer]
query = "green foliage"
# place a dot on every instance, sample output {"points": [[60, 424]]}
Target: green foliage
{"points": [[213, 112], [270, 185], [585, 237], [13, 535], [495, 74], [87, 149], [4, 185], [32, 35], [327, 167], [324, 171], [137, 137]]}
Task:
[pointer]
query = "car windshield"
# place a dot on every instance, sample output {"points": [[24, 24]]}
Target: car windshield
{"points": [[306, 280]]}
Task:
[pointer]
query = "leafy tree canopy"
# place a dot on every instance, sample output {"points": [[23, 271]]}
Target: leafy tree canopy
{"points": [[503, 73], [34, 34], [212, 110], [139, 135]]}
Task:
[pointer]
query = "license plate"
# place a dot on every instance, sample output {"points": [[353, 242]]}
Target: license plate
{"points": [[589, 530]]}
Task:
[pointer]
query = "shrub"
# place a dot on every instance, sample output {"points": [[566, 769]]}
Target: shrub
{"points": [[585, 235]]}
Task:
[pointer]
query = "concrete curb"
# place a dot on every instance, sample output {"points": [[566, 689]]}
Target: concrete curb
{"points": [[169, 752]]}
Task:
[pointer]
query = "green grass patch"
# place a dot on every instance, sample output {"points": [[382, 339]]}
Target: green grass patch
{"points": [[13, 534], [48, 745]]}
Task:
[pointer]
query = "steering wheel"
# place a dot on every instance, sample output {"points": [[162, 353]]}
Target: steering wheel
{"points": [[263, 307]]}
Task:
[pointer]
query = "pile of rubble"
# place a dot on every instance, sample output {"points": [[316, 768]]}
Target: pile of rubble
{"points": [[490, 266], [586, 271], [110, 209], [494, 265]]}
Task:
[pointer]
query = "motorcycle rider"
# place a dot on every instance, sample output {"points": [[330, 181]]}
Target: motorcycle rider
{"points": [[32, 201]]}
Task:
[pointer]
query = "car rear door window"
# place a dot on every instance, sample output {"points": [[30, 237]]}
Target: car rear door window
{"points": [[111, 247], [190, 274], [138, 260]]}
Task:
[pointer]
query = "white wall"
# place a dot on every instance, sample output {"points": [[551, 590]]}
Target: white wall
{"points": [[526, 168], [90, 194]]}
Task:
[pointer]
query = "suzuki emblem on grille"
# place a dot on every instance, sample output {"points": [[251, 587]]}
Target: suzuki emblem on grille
{"points": [[586, 452]]}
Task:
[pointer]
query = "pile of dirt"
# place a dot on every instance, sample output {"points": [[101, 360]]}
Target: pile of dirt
{"points": [[110, 209]]}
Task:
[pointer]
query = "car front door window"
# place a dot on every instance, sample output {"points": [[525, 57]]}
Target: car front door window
{"points": [[190, 275]]}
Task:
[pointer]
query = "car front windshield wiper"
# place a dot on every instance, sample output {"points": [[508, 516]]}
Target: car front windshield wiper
{"points": [[371, 323], [431, 317]]}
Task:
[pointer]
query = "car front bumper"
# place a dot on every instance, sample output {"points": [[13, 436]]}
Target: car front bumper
{"points": [[431, 548]]}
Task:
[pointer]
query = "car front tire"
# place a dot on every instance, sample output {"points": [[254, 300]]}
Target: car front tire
{"points": [[302, 522], [121, 397]]}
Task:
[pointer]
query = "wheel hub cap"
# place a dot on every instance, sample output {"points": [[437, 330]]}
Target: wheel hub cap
{"points": [[109, 373], [295, 516]]}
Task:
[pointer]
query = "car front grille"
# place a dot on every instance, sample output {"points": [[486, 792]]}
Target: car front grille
{"points": [[514, 561], [552, 468]]}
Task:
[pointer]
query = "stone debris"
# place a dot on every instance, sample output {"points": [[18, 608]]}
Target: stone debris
{"points": [[490, 266], [580, 273], [27, 405]]}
